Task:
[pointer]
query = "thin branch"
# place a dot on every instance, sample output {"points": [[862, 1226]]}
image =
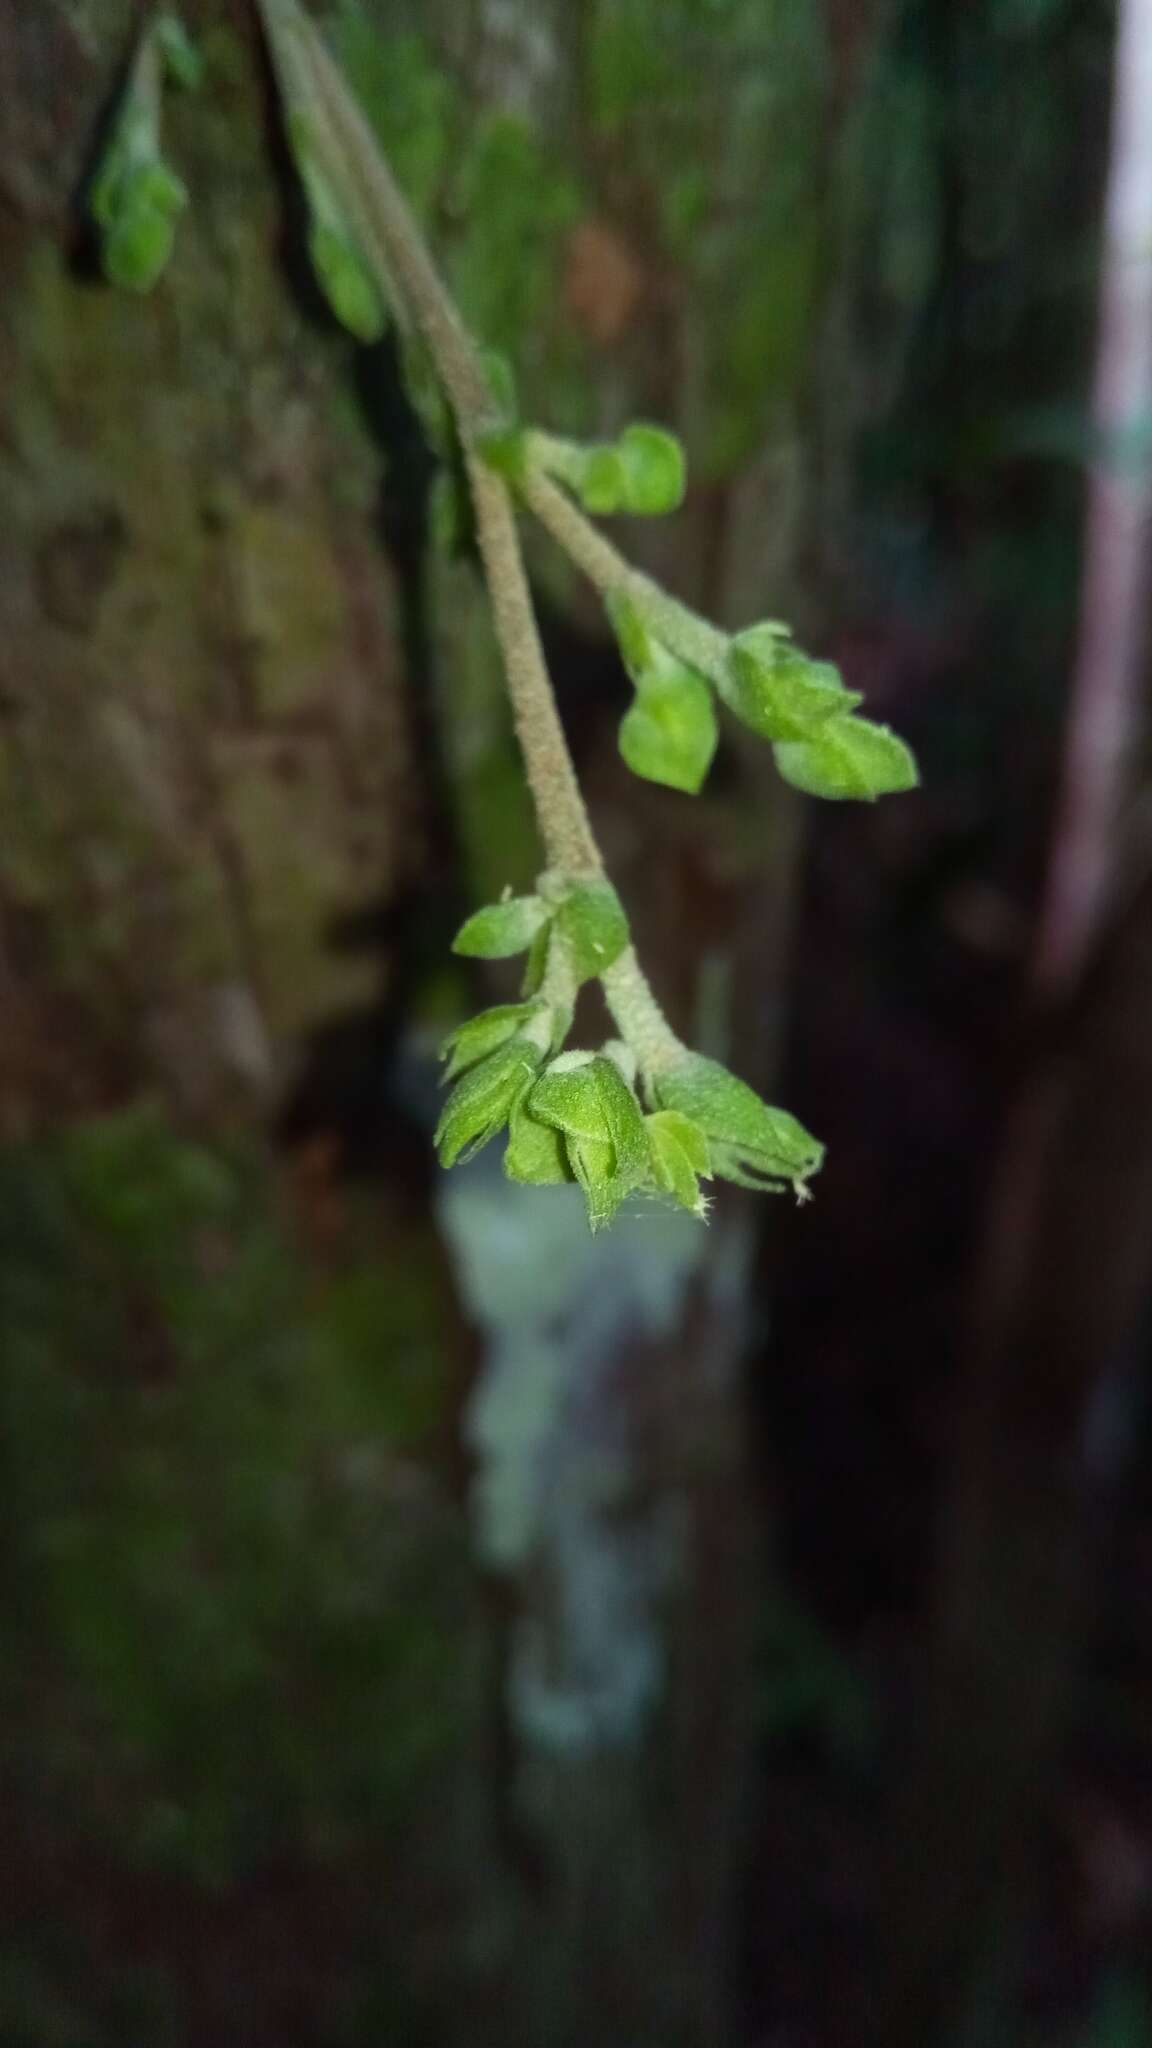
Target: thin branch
{"points": [[391, 240], [682, 631]]}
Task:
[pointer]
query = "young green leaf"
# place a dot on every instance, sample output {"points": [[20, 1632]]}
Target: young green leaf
{"points": [[135, 198], [587, 1099], [602, 481], [848, 757], [346, 282], [669, 734], [679, 1157], [154, 184], [475, 1039], [536, 1153], [592, 921], [777, 691], [136, 247], [654, 473], [502, 929], [642, 472], [483, 1100], [748, 1142]]}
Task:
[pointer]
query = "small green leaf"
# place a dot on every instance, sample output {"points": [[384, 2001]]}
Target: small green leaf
{"points": [[136, 200], [536, 1153], [587, 1098], [777, 691], [567, 1096], [182, 60], [603, 481], [848, 757], [136, 248], [474, 1040], [748, 1141], [502, 929], [669, 734], [593, 1166], [154, 184], [483, 1100], [679, 1156], [347, 283], [536, 965], [642, 472], [594, 926], [653, 463]]}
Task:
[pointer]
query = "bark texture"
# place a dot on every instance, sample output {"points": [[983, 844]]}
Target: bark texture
{"points": [[204, 747]]}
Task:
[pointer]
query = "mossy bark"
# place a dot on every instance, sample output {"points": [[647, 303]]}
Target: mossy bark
{"points": [[204, 747]]}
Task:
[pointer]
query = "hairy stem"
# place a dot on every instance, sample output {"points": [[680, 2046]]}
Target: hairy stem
{"points": [[384, 226], [682, 631]]}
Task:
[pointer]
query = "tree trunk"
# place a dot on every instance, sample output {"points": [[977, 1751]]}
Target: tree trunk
{"points": [[205, 752]]}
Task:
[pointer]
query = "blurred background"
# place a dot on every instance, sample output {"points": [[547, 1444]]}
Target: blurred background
{"points": [[422, 1624]]}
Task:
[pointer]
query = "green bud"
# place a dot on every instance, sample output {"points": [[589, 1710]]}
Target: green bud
{"points": [[136, 248], [848, 757], [593, 1165], [777, 691], [536, 1153], [154, 184], [669, 734], [592, 921], [748, 1142], [474, 1040], [679, 1156], [586, 1098], [603, 481], [642, 472], [346, 282], [483, 1100], [502, 929], [653, 463]]}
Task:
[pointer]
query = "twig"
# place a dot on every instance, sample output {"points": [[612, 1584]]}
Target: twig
{"points": [[392, 242]]}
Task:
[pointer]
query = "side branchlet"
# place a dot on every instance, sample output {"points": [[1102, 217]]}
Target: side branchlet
{"points": [[135, 197], [643, 1114]]}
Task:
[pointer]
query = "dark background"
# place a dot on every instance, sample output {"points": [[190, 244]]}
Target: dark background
{"points": [[424, 1625]]}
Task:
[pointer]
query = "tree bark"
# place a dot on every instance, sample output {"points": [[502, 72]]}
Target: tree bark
{"points": [[205, 753]]}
